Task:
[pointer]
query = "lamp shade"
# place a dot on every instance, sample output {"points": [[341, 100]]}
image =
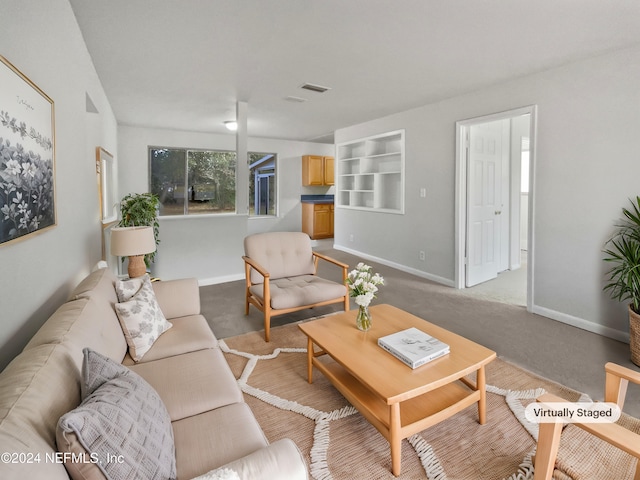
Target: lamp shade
{"points": [[130, 241]]}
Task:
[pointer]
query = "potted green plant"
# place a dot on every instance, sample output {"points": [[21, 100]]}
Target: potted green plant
{"points": [[623, 251], [141, 209]]}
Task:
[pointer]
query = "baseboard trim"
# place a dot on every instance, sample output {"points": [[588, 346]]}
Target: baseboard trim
{"points": [[203, 282], [397, 266], [582, 324]]}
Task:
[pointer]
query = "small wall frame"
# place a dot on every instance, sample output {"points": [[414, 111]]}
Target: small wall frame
{"points": [[105, 172]]}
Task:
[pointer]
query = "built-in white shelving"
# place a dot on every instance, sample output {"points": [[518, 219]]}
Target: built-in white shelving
{"points": [[371, 173]]}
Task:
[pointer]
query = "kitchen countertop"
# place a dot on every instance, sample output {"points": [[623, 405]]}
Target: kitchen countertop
{"points": [[316, 199]]}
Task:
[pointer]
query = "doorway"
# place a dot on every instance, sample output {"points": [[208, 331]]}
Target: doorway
{"points": [[495, 159]]}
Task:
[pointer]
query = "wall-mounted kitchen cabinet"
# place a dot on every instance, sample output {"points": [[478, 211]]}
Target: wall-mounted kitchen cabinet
{"points": [[371, 173], [317, 170]]}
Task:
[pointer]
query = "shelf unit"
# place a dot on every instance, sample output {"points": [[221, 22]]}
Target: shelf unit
{"points": [[371, 173]]}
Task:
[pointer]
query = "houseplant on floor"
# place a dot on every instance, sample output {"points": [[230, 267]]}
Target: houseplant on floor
{"points": [[141, 210], [623, 251]]}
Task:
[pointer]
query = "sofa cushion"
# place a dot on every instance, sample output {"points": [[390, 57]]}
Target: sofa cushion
{"points": [[121, 418], [302, 290], [282, 254], [84, 322], [192, 383], [140, 316], [209, 440], [188, 334], [178, 298]]}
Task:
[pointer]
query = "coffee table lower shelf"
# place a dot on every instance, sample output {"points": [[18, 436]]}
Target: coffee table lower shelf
{"points": [[402, 419]]}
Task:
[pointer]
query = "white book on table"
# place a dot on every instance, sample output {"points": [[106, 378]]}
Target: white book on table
{"points": [[413, 347]]}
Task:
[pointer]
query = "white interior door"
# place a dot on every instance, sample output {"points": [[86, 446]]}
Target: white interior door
{"points": [[484, 180]]}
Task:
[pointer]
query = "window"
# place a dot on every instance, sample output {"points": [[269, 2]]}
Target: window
{"points": [[192, 182]]}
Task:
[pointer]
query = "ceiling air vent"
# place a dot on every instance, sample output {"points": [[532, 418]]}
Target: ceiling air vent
{"points": [[314, 88]]}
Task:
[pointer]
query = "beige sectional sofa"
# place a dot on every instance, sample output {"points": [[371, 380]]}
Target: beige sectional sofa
{"points": [[212, 426]]}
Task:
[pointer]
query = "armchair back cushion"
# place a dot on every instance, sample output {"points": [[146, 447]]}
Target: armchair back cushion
{"points": [[282, 254]]}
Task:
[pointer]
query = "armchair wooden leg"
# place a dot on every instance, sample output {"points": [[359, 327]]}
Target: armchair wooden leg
{"points": [[246, 302], [346, 303], [547, 450], [267, 324]]}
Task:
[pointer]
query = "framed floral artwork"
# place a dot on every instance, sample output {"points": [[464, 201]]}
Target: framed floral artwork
{"points": [[27, 156]]}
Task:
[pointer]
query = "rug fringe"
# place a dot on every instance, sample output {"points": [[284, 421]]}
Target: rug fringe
{"points": [[513, 397], [525, 469], [428, 458]]}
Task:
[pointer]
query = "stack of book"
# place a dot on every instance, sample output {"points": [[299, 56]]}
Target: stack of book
{"points": [[413, 347]]}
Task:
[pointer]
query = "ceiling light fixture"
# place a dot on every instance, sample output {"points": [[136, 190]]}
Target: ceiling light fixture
{"points": [[291, 98], [231, 125]]}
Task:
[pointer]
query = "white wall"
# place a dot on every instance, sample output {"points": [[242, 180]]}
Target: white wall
{"points": [[43, 41], [587, 167], [209, 247]]}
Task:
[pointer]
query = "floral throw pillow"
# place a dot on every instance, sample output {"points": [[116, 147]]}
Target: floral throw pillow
{"points": [[126, 289], [140, 316]]}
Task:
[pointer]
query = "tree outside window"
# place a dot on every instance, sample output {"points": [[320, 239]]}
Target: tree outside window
{"points": [[192, 182]]}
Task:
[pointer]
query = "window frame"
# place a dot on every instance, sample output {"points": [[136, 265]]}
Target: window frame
{"points": [[252, 201]]}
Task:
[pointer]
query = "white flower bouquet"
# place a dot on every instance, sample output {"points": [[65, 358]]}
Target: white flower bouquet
{"points": [[363, 284]]}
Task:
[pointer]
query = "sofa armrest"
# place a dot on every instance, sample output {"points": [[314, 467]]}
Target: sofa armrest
{"points": [[280, 460], [178, 298]]}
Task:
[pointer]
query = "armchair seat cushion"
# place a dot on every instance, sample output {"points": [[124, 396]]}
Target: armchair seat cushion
{"points": [[301, 290]]}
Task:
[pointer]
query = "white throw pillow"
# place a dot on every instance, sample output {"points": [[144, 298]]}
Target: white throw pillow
{"points": [[140, 316], [219, 474]]}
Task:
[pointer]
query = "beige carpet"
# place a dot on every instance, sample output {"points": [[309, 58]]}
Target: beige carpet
{"points": [[340, 444]]}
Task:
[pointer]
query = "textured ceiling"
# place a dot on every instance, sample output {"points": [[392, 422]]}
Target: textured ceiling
{"points": [[184, 64]]}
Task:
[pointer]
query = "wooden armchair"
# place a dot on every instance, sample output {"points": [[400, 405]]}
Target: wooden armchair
{"points": [[280, 271], [617, 380]]}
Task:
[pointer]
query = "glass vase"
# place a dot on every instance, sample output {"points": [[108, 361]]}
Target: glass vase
{"points": [[363, 320]]}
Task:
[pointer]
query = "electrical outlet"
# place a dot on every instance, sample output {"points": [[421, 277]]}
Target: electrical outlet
{"points": [[351, 237], [422, 256], [423, 192]]}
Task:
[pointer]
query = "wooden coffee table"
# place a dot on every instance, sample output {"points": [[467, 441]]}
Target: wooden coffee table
{"points": [[395, 399]]}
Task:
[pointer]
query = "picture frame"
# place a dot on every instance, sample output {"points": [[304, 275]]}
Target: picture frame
{"points": [[105, 170], [27, 157], [111, 260]]}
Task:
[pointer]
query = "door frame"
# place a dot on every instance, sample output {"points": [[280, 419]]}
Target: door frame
{"points": [[462, 129]]}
